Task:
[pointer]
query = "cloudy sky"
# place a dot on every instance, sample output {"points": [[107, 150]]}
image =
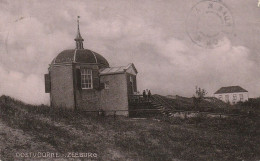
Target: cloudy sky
{"points": [[150, 33]]}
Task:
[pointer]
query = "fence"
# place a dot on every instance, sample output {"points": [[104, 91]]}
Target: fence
{"points": [[171, 113]]}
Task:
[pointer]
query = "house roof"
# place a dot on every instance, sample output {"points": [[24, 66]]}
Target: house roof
{"points": [[117, 70], [80, 56], [230, 89]]}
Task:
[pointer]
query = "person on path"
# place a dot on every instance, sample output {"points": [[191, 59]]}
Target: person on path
{"points": [[144, 95], [149, 95]]}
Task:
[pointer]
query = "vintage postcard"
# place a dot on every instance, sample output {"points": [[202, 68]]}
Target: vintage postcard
{"points": [[129, 80]]}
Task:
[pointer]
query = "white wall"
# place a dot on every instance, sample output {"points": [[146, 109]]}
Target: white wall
{"points": [[231, 97]]}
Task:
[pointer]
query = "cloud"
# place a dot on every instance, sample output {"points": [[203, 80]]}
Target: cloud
{"points": [[29, 88], [209, 68], [167, 64]]}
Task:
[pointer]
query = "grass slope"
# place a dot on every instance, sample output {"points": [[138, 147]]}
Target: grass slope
{"points": [[27, 128], [214, 105]]}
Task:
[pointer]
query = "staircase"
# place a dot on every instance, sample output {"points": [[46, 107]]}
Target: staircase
{"points": [[141, 107], [164, 106]]}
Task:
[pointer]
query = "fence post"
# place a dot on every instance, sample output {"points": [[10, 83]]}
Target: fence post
{"points": [[114, 115]]}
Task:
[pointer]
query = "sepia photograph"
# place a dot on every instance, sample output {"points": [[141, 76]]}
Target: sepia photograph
{"points": [[129, 80]]}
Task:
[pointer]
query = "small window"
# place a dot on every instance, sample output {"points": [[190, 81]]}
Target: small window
{"points": [[226, 98], [220, 97], [241, 96], [131, 79], [107, 85], [131, 84], [234, 97], [86, 79]]}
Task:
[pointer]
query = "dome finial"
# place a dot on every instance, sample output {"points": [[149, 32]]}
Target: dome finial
{"points": [[79, 40]]}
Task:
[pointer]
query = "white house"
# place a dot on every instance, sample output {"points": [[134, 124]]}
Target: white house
{"points": [[232, 94]]}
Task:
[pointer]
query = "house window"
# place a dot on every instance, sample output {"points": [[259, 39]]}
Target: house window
{"points": [[131, 84], [241, 96], [234, 97], [107, 85], [131, 79], [226, 98], [86, 79], [220, 97]]}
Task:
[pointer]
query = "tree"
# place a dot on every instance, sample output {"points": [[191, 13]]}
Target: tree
{"points": [[199, 96]]}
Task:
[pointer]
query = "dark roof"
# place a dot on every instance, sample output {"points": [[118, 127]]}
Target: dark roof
{"points": [[80, 56], [230, 89], [116, 70]]}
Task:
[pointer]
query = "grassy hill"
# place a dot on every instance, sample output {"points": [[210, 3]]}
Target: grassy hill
{"points": [[185, 103], [211, 104], [26, 128]]}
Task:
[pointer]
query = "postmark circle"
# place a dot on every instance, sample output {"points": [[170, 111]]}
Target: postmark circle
{"points": [[208, 23]]}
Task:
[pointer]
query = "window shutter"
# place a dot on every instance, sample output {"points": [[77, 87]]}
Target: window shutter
{"points": [[102, 86], [95, 76], [78, 75], [47, 83]]}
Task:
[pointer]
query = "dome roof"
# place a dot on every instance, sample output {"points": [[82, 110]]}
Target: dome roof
{"points": [[80, 56]]}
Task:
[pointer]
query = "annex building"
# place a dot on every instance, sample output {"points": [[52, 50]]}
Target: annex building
{"points": [[82, 79]]}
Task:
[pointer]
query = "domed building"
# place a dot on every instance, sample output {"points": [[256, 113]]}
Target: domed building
{"points": [[82, 79]]}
